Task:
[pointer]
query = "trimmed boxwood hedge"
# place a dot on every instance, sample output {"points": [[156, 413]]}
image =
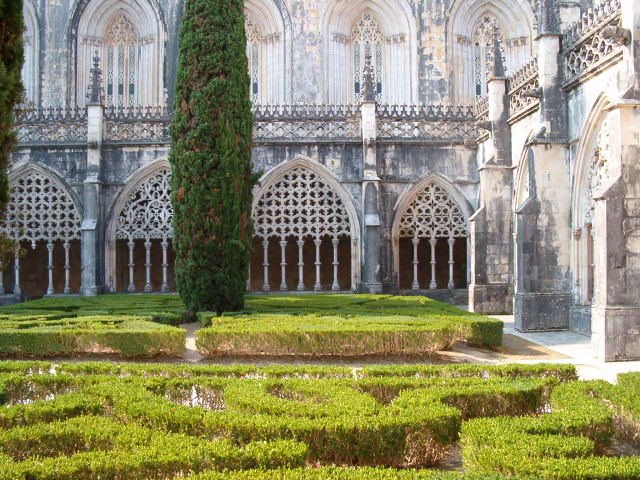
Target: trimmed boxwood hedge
{"points": [[338, 473], [127, 336], [564, 444], [81, 411], [102, 420], [164, 309], [343, 335], [93, 420]]}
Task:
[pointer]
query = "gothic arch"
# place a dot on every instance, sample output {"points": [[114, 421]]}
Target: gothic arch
{"points": [[269, 50], [31, 65], [592, 157], [88, 32], [141, 216], [516, 23], [448, 211], [523, 176], [399, 56], [584, 150], [44, 216], [323, 213]]}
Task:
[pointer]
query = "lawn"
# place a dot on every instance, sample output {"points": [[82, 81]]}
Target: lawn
{"points": [[128, 421]]}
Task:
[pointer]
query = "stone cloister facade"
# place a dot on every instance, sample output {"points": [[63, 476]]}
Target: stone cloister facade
{"points": [[487, 148]]}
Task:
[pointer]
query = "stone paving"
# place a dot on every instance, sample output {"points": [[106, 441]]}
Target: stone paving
{"points": [[577, 348]]}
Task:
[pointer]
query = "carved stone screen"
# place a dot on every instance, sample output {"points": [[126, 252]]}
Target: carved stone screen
{"points": [[300, 221], [144, 223], [430, 231], [42, 216]]}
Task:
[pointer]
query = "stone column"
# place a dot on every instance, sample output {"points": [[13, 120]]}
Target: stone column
{"points": [[491, 258], [631, 28], [370, 185], [91, 241], [615, 314], [543, 292]]}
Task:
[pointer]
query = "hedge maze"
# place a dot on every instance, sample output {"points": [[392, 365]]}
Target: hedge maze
{"points": [[125, 421], [305, 325]]}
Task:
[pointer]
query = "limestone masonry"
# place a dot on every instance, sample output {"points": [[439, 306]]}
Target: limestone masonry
{"points": [[488, 148]]}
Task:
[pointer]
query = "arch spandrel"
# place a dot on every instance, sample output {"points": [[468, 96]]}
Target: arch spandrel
{"points": [[40, 209], [147, 213], [300, 203]]}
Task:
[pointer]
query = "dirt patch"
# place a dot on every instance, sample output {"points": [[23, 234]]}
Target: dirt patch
{"points": [[516, 348], [452, 460], [621, 447]]}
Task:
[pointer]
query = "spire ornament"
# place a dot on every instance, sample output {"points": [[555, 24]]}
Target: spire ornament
{"points": [[497, 67], [94, 96], [368, 77]]}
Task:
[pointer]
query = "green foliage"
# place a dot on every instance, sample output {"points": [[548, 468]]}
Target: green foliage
{"points": [[104, 420], [11, 59], [342, 335], [343, 325], [626, 399], [128, 336], [211, 157], [164, 309], [337, 473], [301, 325], [561, 445], [553, 372], [92, 447], [95, 420]]}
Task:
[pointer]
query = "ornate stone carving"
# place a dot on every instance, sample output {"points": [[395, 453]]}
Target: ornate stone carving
{"points": [[302, 205], [51, 126], [483, 40], [137, 125], [482, 109], [367, 39], [523, 86], [148, 212], [40, 209], [433, 214], [599, 170], [590, 42]]}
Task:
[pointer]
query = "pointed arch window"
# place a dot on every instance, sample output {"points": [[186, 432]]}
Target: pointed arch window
{"points": [[254, 40], [483, 53], [30, 70], [367, 38], [121, 62]]}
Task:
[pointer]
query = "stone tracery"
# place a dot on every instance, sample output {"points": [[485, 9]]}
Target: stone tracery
{"points": [[483, 52], [146, 216], [40, 210], [432, 214], [367, 39], [301, 206]]}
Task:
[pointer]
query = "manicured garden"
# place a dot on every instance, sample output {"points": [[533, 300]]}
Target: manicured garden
{"points": [[128, 421], [106, 325], [295, 325], [126, 336]]}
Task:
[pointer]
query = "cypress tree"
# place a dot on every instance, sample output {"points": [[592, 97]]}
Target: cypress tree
{"points": [[211, 157], [11, 58]]}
